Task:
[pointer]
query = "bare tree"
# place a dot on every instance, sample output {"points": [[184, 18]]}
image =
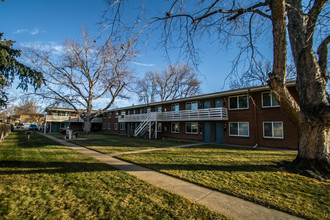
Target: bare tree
{"points": [[305, 22], [258, 75], [173, 82], [27, 105], [84, 73]]}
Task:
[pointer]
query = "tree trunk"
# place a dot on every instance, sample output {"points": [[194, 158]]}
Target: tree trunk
{"points": [[314, 142], [87, 125]]}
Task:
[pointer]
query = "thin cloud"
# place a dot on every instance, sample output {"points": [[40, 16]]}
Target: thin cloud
{"points": [[44, 46], [143, 64], [35, 31], [19, 31]]}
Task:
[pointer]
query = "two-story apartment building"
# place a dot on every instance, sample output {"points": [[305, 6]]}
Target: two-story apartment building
{"points": [[249, 116], [58, 119]]}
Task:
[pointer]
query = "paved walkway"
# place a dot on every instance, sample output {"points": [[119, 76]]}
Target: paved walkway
{"points": [[229, 206]]}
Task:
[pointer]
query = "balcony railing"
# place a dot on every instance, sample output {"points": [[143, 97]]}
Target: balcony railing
{"points": [[55, 118], [209, 114]]}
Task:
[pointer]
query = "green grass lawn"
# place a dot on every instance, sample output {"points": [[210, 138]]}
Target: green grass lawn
{"points": [[245, 173], [42, 180], [110, 143]]}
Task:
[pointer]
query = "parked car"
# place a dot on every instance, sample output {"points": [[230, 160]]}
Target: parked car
{"points": [[20, 126], [33, 127]]}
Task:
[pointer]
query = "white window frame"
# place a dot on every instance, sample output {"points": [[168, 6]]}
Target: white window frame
{"points": [[191, 126], [159, 127], [116, 126], [122, 128], [238, 135], [237, 99], [159, 108], [176, 104], [104, 126], [271, 100], [272, 137], [175, 132], [191, 106], [109, 126]]}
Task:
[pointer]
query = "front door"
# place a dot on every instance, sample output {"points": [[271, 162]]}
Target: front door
{"points": [[54, 127], [127, 128], [207, 131], [219, 132]]}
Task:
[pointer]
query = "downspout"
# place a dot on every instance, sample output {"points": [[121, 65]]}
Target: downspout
{"points": [[255, 121]]}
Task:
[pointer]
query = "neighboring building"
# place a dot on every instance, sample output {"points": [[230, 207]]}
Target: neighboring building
{"points": [[249, 116], [58, 119], [27, 118]]}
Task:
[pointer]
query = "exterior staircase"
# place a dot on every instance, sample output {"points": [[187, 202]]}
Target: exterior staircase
{"points": [[142, 128]]}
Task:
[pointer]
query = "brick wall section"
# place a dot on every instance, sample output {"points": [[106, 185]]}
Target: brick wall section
{"points": [[271, 114]]}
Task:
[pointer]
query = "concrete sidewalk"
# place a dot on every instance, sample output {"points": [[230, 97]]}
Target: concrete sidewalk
{"points": [[229, 206]]}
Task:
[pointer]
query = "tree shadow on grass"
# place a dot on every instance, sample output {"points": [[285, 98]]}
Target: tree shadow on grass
{"points": [[28, 167], [197, 167]]}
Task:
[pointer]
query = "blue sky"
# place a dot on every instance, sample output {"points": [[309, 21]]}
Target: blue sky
{"points": [[49, 22]]}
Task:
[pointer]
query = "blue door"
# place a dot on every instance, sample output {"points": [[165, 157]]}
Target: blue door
{"points": [[127, 128], [54, 127], [219, 132], [207, 132], [206, 104], [218, 102]]}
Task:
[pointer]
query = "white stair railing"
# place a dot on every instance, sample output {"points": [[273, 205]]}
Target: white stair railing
{"points": [[142, 126]]}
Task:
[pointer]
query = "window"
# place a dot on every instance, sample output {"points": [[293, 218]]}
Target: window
{"points": [[133, 112], [239, 129], [192, 128], [117, 113], [175, 127], [64, 125], [109, 115], [104, 126], [159, 127], [218, 103], [116, 126], [273, 129], [55, 113], [122, 126], [109, 126], [67, 113], [268, 100], [159, 109], [191, 105], [148, 109], [175, 107], [238, 102], [140, 111]]}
